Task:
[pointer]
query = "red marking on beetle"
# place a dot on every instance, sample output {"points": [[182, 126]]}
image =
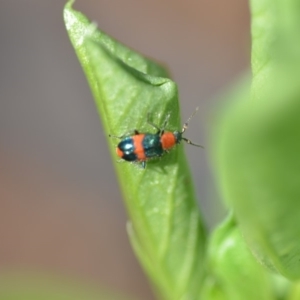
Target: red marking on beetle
{"points": [[138, 147], [168, 140], [119, 152]]}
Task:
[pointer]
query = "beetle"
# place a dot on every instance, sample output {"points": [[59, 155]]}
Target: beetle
{"points": [[141, 147]]}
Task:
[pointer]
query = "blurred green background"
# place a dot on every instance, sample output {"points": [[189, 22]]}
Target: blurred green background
{"points": [[60, 207]]}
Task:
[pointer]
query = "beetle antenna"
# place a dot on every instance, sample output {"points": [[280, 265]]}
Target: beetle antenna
{"points": [[186, 124], [166, 122], [191, 143]]}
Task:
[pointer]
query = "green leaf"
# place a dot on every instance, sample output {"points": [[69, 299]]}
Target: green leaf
{"points": [[165, 226], [258, 141], [295, 292], [233, 273]]}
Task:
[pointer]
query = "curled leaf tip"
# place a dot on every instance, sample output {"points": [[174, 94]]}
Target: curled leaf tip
{"points": [[68, 15], [69, 4]]}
